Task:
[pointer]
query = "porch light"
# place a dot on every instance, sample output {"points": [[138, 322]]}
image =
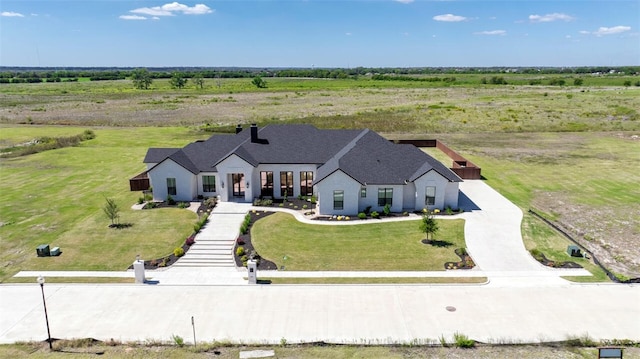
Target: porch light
{"points": [[222, 184], [247, 184]]}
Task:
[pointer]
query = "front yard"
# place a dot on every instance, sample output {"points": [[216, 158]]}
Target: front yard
{"points": [[391, 246]]}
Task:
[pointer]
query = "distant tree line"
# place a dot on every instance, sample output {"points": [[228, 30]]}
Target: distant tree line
{"points": [[35, 75]]}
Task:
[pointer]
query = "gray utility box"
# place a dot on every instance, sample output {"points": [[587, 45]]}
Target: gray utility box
{"points": [[43, 250], [574, 251], [55, 251]]}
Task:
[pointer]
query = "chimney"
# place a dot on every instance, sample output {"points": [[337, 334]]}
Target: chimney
{"points": [[238, 129], [254, 133]]}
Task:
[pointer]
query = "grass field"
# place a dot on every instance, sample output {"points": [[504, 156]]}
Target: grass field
{"points": [[393, 246], [56, 197]]}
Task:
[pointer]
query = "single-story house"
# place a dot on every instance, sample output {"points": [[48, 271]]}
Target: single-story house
{"points": [[347, 170]]}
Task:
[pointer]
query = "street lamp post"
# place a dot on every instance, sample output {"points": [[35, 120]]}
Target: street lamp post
{"points": [[46, 317]]}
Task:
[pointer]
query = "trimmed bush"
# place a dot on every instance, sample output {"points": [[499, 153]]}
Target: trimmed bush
{"points": [[375, 214], [170, 200], [140, 200], [178, 252], [362, 215], [386, 209], [240, 251]]}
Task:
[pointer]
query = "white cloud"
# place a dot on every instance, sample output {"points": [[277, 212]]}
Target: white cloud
{"points": [[611, 30], [132, 17], [172, 9], [583, 32], [491, 32], [347, 33], [449, 18], [11, 14], [550, 17], [404, 1]]}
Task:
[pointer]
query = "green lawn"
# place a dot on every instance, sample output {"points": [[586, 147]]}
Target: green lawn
{"points": [[56, 197], [391, 246]]}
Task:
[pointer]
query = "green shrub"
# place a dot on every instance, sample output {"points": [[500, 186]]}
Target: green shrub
{"points": [[197, 227], [183, 205], [170, 200], [244, 258], [375, 214], [304, 206], [463, 341], [448, 210], [210, 202], [386, 209], [240, 251], [244, 229], [362, 215], [178, 252], [140, 200], [314, 199], [148, 197]]}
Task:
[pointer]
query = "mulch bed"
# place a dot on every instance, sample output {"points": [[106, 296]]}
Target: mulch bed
{"points": [[162, 261], [244, 240], [556, 264], [466, 262]]}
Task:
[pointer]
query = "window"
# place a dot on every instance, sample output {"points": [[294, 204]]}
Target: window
{"points": [[385, 196], [306, 183], [430, 196], [208, 183], [286, 184], [338, 200], [363, 192], [266, 184], [171, 186]]}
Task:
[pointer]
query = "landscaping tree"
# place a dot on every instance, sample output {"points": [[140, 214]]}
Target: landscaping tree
{"points": [[259, 82], [177, 81], [141, 79], [429, 225], [198, 80], [112, 211]]}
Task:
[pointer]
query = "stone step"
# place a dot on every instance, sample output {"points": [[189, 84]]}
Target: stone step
{"points": [[205, 264], [205, 260], [209, 251]]}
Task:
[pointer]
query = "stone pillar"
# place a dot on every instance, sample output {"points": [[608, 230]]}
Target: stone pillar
{"points": [[252, 271], [138, 269]]}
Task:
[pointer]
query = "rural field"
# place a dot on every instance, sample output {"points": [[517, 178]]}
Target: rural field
{"points": [[569, 152]]}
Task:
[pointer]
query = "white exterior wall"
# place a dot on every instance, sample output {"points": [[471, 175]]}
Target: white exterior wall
{"points": [[185, 181], [276, 169], [444, 189], [409, 197], [451, 195], [235, 164], [372, 198], [200, 190], [338, 181]]}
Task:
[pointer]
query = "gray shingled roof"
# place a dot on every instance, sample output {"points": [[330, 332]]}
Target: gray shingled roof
{"points": [[362, 154]]}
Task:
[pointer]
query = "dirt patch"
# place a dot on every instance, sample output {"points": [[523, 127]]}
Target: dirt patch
{"points": [[611, 234]]}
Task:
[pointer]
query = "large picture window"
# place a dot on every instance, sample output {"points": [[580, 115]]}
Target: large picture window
{"points": [[208, 183], [171, 186], [338, 200], [306, 183], [385, 196], [286, 183], [430, 196], [266, 184]]}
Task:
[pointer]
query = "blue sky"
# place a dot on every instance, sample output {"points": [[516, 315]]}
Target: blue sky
{"points": [[320, 33]]}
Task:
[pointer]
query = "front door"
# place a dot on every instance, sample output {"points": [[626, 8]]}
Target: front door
{"points": [[238, 184]]}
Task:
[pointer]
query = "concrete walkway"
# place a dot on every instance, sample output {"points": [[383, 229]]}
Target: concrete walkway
{"points": [[215, 241]]}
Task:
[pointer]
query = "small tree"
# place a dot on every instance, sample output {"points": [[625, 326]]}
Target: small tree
{"points": [[198, 80], [259, 82], [141, 79], [177, 81], [429, 226], [112, 211]]}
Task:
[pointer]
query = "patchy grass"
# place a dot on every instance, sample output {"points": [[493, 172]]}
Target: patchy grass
{"points": [[55, 280], [418, 348], [391, 246], [403, 280], [57, 196]]}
